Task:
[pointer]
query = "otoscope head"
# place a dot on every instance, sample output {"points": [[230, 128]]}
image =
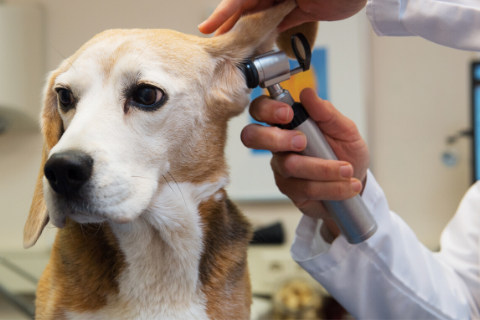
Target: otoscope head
{"points": [[273, 67]]}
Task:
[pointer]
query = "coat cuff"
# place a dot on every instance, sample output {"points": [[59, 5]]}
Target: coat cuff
{"points": [[385, 17]]}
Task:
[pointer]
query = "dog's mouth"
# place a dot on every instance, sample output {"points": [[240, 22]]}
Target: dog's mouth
{"points": [[74, 207]]}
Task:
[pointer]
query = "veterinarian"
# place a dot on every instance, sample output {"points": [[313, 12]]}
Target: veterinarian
{"points": [[391, 275]]}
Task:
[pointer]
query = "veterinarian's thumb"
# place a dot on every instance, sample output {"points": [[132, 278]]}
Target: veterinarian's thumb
{"points": [[293, 19]]}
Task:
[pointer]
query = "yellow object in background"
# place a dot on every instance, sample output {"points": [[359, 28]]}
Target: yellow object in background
{"points": [[299, 82]]}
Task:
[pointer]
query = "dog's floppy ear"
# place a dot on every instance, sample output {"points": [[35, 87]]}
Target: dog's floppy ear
{"points": [[256, 33], [38, 216], [252, 35], [52, 129]]}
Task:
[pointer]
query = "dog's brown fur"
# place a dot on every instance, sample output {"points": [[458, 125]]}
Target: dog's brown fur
{"points": [[66, 284], [223, 267]]}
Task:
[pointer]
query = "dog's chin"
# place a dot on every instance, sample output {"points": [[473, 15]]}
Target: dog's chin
{"points": [[58, 217], [90, 206], [59, 220], [61, 210], [82, 211]]}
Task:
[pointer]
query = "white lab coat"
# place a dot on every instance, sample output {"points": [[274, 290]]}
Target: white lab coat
{"points": [[452, 23], [392, 275]]}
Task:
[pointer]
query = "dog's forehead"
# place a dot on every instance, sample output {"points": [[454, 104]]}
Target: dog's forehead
{"points": [[137, 51]]}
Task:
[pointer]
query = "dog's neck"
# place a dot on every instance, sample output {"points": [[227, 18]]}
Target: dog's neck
{"points": [[163, 249]]}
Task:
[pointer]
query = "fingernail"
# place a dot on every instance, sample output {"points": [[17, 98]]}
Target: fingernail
{"points": [[282, 114], [346, 171], [356, 185], [299, 142], [201, 24]]}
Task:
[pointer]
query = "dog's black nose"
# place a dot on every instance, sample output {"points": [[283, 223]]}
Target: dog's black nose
{"points": [[68, 171]]}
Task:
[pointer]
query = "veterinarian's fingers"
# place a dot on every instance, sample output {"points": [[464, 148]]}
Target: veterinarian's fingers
{"points": [[248, 7], [290, 165], [301, 190], [295, 18], [267, 110], [256, 136], [329, 119], [229, 23], [313, 208], [225, 10]]}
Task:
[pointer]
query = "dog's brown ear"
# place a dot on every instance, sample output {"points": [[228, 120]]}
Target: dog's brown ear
{"points": [[252, 34], [52, 129], [256, 33], [38, 216]]}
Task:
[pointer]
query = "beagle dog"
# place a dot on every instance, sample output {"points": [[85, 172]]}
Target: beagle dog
{"points": [[133, 174]]}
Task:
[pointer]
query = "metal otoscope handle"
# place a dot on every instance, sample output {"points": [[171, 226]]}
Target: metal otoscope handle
{"points": [[352, 215]]}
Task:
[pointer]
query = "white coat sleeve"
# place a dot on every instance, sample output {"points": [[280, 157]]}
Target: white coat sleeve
{"points": [[392, 275], [452, 23]]}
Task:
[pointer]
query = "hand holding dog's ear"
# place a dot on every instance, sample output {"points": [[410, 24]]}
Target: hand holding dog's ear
{"points": [[229, 11]]}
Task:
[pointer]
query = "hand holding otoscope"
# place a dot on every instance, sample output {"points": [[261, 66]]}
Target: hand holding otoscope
{"points": [[268, 70]]}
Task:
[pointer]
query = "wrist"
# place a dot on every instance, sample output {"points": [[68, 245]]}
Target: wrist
{"points": [[329, 230]]}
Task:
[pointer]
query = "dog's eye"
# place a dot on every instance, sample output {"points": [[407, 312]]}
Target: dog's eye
{"points": [[148, 96], [66, 98]]}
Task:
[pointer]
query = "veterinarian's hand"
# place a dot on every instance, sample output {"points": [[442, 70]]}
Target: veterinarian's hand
{"points": [[306, 180], [229, 11]]}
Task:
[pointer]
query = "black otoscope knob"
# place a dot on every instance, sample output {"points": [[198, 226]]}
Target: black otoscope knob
{"points": [[300, 115], [251, 73]]}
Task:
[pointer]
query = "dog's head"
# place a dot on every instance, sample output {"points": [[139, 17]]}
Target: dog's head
{"points": [[133, 106]]}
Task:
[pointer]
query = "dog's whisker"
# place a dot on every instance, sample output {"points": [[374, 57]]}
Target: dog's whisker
{"points": [[179, 190], [81, 228], [170, 186], [71, 65], [99, 227], [141, 52], [144, 178]]}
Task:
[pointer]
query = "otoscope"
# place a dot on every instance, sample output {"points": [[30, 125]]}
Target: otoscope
{"points": [[267, 71]]}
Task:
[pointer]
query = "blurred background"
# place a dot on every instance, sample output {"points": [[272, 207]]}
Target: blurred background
{"points": [[410, 99]]}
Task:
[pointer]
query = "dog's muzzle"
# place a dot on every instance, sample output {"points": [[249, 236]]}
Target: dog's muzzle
{"points": [[68, 171]]}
